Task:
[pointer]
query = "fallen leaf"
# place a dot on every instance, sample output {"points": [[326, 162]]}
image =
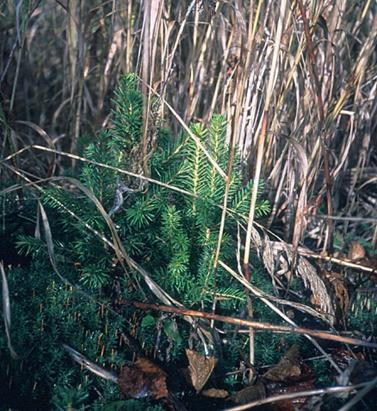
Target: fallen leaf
{"points": [[252, 393], [200, 368], [295, 404], [356, 251], [215, 393], [143, 379], [340, 290], [288, 368]]}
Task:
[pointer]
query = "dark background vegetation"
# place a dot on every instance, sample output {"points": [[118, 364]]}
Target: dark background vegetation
{"points": [[296, 82]]}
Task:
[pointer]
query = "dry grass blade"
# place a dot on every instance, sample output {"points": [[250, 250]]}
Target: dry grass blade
{"points": [[7, 310], [50, 245], [115, 47], [75, 53], [263, 132], [273, 257], [291, 396], [266, 298], [118, 170], [117, 245], [158, 291], [312, 281], [91, 366], [170, 57], [359, 396], [258, 325], [300, 307], [121, 254], [358, 71], [192, 135], [300, 223], [281, 246], [315, 283], [277, 256], [151, 23]]}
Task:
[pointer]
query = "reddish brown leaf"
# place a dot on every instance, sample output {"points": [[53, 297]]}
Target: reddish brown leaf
{"points": [[293, 404], [143, 379], [288, 368], [215, 393], [340, 290], [252, 393], [356, 251]]}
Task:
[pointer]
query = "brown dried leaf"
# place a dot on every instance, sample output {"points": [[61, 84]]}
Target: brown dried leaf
{"points": [[356, 251], [252, 393], [200, 368], [215, 393], [290, 404], [143, 379], [268, 257], [257, 240], [133, 383], [300, 220], [282, 253], [340, 290], [317, 286], [288, 368]]}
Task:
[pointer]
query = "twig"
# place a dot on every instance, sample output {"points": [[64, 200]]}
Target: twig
{"points": [[291, 396], [264, 299], [307, 253], [370, 385], [238, 321], [333, 217]]}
